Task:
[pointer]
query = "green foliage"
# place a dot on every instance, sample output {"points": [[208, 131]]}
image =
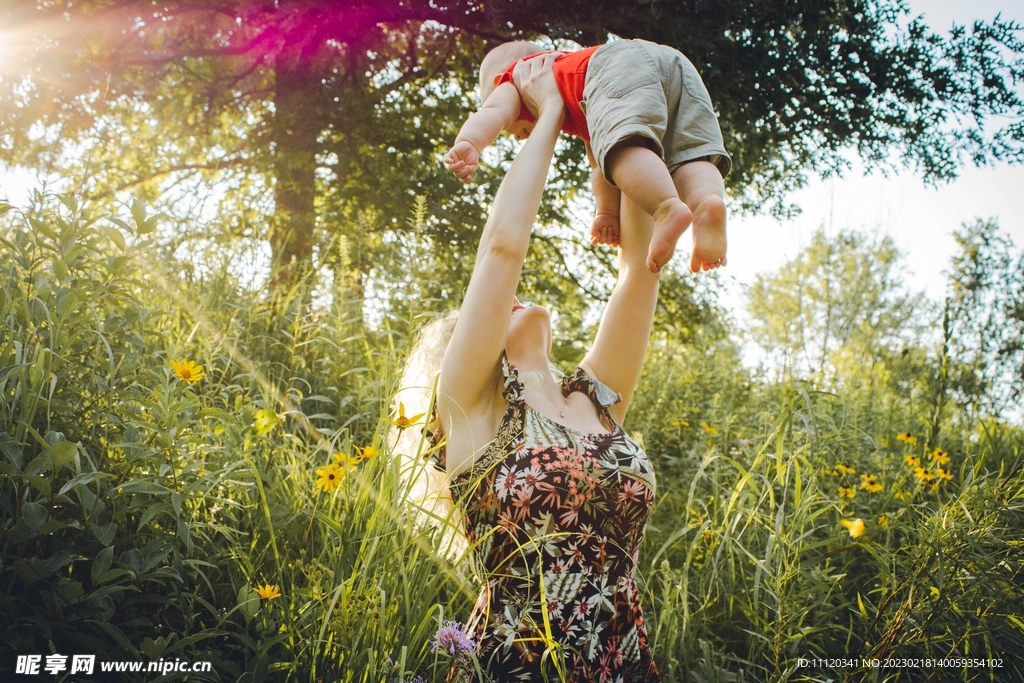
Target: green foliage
{"points": [[140, 509], [319, 120], [762, 573], [140, 512], [984, 321], [839, 306]]}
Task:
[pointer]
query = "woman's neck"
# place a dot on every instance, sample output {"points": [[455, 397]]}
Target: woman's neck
{"points": [[535, 373], [529, 361]]}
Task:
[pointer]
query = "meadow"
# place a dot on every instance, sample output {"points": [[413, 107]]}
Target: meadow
{"points": [[196, 470]]}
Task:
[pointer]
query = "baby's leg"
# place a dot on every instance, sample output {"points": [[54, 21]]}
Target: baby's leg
{"points": [[643, 177], [701, 187]]}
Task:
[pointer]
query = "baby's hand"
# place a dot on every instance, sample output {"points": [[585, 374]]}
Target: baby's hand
{"points": [[605, 229], [462, 160]]}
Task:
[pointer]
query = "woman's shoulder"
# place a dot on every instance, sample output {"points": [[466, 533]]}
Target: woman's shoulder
{"points": [[583, 379]]}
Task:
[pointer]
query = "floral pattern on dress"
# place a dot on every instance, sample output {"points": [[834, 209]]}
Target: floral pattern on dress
{"points": [[557, 518]]}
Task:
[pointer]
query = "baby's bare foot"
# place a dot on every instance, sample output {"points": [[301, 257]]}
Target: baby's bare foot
{"points": [[670, 221], [709, 243]]}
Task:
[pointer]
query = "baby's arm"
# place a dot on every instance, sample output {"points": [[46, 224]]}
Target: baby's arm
{"points": [[481, 129], [605, 228]]}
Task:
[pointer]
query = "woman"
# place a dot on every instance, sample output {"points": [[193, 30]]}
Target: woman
{"points": [[554, 494]]}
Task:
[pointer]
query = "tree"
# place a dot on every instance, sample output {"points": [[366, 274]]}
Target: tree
{"points": [[839, 302], [306, 116], [982, 360]]}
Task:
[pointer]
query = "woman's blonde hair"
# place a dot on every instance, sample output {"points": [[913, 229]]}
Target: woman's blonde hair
{"points": [[425, 483]]}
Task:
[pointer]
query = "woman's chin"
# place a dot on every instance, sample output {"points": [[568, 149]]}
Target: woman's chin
{"points": [[528, 343]]}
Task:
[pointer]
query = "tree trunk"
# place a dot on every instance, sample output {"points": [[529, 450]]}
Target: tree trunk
{"points": [[295, 132]]}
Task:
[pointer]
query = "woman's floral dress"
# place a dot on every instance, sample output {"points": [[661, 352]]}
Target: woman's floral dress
{"points": [[547, 501]]}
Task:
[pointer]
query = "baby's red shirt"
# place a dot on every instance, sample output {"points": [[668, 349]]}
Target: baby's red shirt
{"points": [[571, 74]]}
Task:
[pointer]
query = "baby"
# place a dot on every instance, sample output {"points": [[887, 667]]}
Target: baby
{"points": [[649, 129]]}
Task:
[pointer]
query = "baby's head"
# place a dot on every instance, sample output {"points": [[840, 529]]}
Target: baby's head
{"points": [[499, 59]]}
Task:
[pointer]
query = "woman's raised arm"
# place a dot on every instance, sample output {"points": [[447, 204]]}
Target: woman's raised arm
{"points": [[617, 355], [470, 370]]}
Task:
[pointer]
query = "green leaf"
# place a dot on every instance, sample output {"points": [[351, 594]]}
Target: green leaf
{"points": [[82, 479], [62, 453], [1016, 621], [104, 534], [39, 483], [111, 575], [11, 448], [184, 642], [69, 201], [116, 236], [101, 565], [145, 487], [150, 223], [154, 648], [265, 421], [138, 213], [248, 602], [34, 515], [51, 525], [42, 228], [154, 553], [154, 510], [121, 224]]}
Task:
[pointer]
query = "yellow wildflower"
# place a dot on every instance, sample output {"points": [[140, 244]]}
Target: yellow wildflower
{"points": [[847, 492], [911, 460], [267, 591], [403, 422], [709, 428], [901, 495], [187, 370], [329, 478], [854, 526], [340, 460], [680, 423], [907, 438], [940, 456], [365, 453], [923, 474], [845, 469], [944, 474], [883, 521], [870, 483]]}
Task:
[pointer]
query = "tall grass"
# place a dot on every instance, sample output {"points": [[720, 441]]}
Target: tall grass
{"points": [[139, 511]]}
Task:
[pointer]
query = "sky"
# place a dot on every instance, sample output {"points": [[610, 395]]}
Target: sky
{"points": [[921, 220]]}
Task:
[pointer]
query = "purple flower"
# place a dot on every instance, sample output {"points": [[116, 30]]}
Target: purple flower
{"points": [[418, 679], [451, 638]]}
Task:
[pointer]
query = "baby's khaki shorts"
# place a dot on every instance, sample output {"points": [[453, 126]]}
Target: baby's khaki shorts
{"points": [[635, 87]]}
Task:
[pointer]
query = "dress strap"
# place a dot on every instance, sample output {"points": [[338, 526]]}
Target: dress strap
{"points": [[512, 388], [600, 393]]}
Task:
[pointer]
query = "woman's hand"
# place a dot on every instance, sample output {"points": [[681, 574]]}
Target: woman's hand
{"points": [[535, 80]]}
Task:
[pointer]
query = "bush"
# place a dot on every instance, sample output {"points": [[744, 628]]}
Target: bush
{"points": [[144, 502]]}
